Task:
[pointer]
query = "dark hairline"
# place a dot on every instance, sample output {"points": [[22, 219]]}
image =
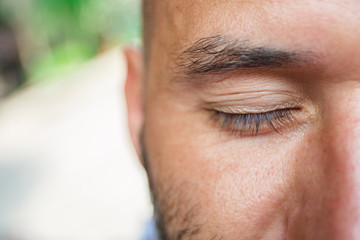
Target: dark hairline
{"points": [[148, 9]]}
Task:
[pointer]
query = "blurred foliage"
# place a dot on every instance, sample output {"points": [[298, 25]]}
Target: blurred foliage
{"points": [[57, 35]]}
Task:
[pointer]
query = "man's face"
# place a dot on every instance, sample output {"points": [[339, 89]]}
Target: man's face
{"points": [[252, 119]]}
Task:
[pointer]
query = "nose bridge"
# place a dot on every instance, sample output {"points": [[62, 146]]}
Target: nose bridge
{"points": [[341, 134], [341, 151]]}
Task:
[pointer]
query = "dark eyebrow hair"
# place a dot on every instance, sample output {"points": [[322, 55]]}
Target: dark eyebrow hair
{"points": [[218, 54]]}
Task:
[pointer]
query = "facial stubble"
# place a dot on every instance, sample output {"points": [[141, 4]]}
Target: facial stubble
{"points": [[175, 214]]}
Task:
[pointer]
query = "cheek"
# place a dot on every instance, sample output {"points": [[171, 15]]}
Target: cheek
{"points": [[241, 185], [252, 187]]}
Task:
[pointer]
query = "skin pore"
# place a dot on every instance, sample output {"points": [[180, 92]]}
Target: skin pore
{"points": [[246, 117]]}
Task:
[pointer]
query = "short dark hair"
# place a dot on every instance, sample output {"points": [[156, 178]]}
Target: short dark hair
{"points": [[148, 9]]}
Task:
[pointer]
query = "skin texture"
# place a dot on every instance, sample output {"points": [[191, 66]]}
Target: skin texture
{"points": [[210, 181]]}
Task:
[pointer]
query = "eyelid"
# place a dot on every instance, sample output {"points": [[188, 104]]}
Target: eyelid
{"points": [[252, 92], [254, 109], [258, 112], [238, 107], [251, 124]]}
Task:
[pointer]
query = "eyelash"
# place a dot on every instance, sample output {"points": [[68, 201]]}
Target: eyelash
{"points": [[251, 123]]}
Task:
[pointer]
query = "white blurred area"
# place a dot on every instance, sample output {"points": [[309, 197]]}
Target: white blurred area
{"points": [[67, 167]]}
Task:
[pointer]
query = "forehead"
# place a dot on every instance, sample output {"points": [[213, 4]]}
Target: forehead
{"points": [[294, 23], [327, 28]]}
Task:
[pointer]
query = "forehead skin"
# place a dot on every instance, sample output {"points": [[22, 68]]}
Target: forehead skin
{"points": [[246, 187], [177, 24]]}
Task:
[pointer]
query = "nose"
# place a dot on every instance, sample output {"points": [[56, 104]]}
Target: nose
{"points": [[337, 204], [341, 164]]}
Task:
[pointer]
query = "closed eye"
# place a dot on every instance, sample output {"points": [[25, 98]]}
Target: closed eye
{"points": [[251, 124]]}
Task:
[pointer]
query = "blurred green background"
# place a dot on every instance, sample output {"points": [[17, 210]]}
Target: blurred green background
{"points": [[55, 36]]}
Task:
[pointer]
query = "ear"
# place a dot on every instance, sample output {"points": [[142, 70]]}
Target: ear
{"points": [[134, 94]]}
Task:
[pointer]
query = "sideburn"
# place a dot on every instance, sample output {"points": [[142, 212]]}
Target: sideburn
{"points": [[160, 225]]}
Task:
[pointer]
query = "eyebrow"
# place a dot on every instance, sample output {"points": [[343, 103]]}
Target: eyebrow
{"points": [[219, 54]]}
